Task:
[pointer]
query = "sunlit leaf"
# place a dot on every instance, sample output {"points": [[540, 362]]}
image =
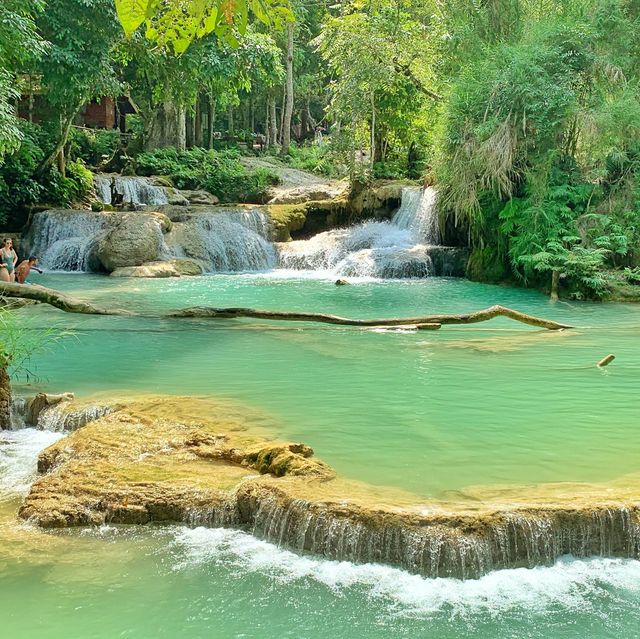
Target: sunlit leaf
{"points": [[132, 13]]}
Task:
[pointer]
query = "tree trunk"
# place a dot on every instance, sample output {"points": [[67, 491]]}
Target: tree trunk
{"points": [[284, 99], [555, 281], [288, 112], [267, 124], [304, 121], [252, 115], [198, 123], [65, 128], [212, 121], [274, 121], [181, 137], [5, 400], [231, 126], [427, 321], [372, 159]]}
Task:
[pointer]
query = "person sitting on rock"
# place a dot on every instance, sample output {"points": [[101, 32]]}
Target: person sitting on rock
{"points": [[24, 268]]}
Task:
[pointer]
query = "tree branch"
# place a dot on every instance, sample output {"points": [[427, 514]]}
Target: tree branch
{"points": [[72, 305]]}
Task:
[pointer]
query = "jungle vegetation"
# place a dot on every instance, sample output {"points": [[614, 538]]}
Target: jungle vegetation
{"points": [[525, 114]]}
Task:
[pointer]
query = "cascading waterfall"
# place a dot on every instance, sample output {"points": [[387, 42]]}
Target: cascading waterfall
{"points": [[444, 546], [225, 240], [56, 418], [133, 189], [63, 240], [405, 247]]}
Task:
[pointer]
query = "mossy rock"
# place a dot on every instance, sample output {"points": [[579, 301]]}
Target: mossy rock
{"points": [[285, 219], [486, 265]]}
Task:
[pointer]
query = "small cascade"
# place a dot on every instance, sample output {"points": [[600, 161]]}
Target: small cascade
{"points": [[63, 240], [226, 240], [418, 214], [56, 418], [401, 248], [18, 411], [444, 546], [132, 189]]}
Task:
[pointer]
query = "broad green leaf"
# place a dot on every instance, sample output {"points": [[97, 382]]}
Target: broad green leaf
{"points": [[132, 13]]}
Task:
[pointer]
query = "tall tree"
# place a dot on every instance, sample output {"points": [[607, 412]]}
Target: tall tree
{"points": [[20, 45], [79, 65]]}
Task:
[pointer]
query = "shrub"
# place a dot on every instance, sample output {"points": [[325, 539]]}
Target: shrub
{"points": [[316, 158], [22, 185], [93, 146], [219, 172]]}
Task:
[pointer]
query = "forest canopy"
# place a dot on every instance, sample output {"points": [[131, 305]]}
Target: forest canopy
{"points": [[525, 114]]}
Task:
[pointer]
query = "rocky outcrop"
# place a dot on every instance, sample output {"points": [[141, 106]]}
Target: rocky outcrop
{"points": [[134, 239], [160, 269], [196, 461], [200, 198]]}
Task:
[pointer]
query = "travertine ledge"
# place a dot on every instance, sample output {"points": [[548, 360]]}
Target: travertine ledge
{"points": [[179, 459]]}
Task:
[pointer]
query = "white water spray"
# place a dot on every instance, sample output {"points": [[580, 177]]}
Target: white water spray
{"points": [[401, 248], [133, 189]]}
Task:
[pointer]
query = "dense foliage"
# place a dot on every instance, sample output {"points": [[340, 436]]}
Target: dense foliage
{"points": [[524, 113], [221, 173]]}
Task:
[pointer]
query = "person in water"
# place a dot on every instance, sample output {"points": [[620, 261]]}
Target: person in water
{"points": [[8, 261], [24, 268]]}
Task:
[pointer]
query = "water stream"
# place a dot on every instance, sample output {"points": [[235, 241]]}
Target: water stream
{"points": [[461, 413]]}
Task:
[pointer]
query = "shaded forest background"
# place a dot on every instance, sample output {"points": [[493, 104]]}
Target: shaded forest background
{"points": [[524, 114]]}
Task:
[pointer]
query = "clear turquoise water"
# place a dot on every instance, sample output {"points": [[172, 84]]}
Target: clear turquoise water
{"points": [[428, 412]]}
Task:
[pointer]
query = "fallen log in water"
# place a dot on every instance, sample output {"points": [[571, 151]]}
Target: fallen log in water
{"points": [[427, 322], [54, 298]]}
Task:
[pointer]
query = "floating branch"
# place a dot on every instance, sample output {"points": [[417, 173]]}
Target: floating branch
{"points": [[54, 298], [427, 322]]}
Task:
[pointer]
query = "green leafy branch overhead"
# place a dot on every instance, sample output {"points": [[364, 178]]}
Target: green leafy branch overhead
{"points": [[176, 23]]}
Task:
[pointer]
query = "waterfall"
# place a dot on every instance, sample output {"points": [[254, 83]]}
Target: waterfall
{"points": [[225, 240], [56, 418], [63, 240], [401, 248], [445, 544], [134, 190], [418, 214]]}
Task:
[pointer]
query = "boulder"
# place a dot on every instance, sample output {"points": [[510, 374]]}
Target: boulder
{"points": [[200, 197], [134, 240], [169, 268]]}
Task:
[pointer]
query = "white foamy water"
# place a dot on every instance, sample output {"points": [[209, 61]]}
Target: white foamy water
{"points": [[18, 458], [396, 249], [63, 240], [133, 189], [570, 583], [228, 241]]}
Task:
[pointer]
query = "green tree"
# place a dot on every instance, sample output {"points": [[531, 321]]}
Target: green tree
{"points": [[20, 45]]}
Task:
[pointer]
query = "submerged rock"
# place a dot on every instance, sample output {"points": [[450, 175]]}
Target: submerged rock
{"points": [[170, 268], [190, 460]]}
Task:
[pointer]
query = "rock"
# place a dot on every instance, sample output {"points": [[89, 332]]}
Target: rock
{"points": [[191, 460], [37, 404], [150, 269], [176, 198], [136, 238], [168, 268], [200, 197], [286, 219], [309, 193], [341, 283]]}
